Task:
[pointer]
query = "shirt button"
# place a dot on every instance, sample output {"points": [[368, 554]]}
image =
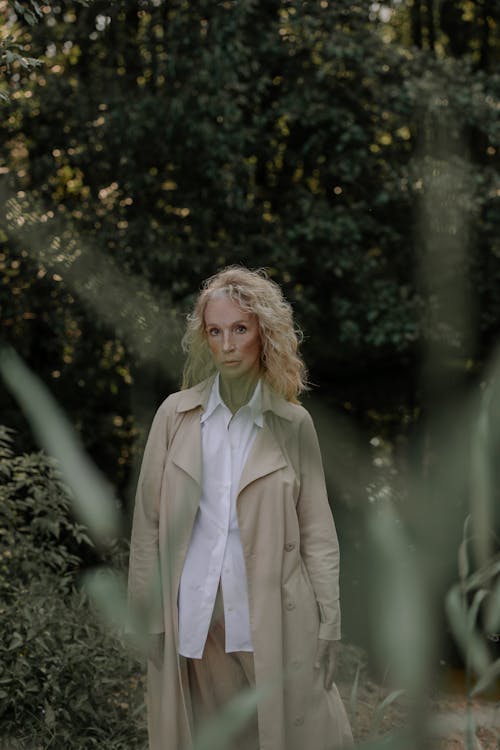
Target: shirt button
{"points": [[289, 546], [298, 721], [290, 605]]}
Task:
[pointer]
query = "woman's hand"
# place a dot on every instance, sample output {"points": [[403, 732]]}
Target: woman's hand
{"points": [[325, 654]]}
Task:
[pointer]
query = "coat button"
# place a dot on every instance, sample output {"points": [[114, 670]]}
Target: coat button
{"points": [[290, 605], [298, 721], [289, 546]]}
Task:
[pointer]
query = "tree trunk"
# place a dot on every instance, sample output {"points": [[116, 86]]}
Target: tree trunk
{"points": [[430, 24], [484, 10], [416, 23]]}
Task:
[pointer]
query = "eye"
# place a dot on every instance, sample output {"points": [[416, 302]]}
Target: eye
{"points": [[241, 329], [213, 331]]}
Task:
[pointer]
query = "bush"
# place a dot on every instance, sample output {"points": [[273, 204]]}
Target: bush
{"points": [[66, 681], [37, 534]]}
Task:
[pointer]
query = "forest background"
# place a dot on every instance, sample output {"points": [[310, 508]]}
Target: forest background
{"points": [[350, 148]]}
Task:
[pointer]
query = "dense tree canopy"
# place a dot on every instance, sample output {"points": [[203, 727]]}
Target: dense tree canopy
{"points": [[350, 148]]}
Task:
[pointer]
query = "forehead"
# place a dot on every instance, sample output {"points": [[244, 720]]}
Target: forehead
{"points": [[224, 309]]}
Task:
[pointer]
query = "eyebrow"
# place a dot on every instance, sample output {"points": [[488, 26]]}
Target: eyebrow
{"points": [[235, 323]]}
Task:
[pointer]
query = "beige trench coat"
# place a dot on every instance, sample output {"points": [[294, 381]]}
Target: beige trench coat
{"points": [[292, 561]]}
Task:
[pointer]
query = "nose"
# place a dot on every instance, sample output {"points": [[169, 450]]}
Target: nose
{"points": [[227, 342]]}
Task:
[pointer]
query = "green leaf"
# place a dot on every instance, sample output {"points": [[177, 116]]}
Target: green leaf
{"points": [[491, 674], [463, 560], [479, 597], [108, 591], [462, 625], [353, 698], [492, 610], [16, 640], [50, 717], [382, 707]]}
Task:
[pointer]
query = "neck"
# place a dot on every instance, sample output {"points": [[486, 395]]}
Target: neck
{"points": [[237, 392]]}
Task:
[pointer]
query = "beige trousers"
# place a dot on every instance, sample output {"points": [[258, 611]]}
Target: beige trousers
{"points": [[218, 677]]}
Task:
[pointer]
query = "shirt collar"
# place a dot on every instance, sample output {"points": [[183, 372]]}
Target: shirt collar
{"points": [[254, 404], [197, 397], [214, 400]]}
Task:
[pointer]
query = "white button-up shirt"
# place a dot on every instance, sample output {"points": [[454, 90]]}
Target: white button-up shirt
{"points": [[215, 552]]}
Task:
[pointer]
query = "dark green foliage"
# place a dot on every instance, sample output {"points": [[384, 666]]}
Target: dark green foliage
{"points": [[162, 141], [65, 680], [37, 535]]}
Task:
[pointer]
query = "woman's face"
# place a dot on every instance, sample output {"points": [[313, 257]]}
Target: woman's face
{"points": [[233, 337]]}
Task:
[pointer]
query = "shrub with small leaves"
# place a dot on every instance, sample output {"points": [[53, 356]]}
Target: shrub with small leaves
{"points": [[37, 533], [66, 680]]}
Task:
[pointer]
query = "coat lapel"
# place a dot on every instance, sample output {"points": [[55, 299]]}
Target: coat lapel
{"points": [[265, 457], [186, 446]]}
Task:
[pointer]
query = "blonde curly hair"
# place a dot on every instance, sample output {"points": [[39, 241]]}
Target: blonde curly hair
{"points": [[281, 365]]}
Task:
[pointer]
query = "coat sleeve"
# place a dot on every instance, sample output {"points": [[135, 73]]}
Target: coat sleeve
{"points": [[318, 537], [144, 590]]}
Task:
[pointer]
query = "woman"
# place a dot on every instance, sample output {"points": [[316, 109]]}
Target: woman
{"points": [[234, 557]]}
